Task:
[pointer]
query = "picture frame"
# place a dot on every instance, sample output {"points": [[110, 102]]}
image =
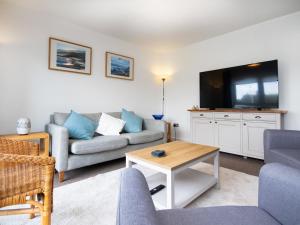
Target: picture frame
{"points": [[119, 66], [68, 56]]}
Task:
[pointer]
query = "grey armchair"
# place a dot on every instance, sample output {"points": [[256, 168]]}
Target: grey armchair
{"points": [[278, 203], [282, 146]]}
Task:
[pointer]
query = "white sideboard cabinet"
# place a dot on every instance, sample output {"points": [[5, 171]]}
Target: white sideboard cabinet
{"points": [[234, 131]]}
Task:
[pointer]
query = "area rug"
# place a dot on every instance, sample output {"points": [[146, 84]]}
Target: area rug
{"points": [[94, 201]]}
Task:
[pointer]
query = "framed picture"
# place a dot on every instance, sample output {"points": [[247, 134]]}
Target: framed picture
{"points": [[69, 57], [119, 66]]}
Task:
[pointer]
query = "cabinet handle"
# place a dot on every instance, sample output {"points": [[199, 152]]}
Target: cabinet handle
{"points": [[216, 122], [226, 116], [201, 114], [257, 117], [209, 121], [245, 124]]}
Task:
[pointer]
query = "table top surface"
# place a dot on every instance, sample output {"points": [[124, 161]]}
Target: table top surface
{"points": [[178, 153], [33, 135]]}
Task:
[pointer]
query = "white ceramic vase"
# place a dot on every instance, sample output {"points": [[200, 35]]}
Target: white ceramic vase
{"points": [[23, 126]]}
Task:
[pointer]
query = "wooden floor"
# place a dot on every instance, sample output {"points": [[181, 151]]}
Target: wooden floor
{"points": [[238, 163]]}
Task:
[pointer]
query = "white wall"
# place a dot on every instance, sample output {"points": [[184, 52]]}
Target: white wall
{"points": [[275, 39], [29, 89]]}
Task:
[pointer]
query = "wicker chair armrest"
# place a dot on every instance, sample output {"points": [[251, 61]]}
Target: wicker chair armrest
{"points": [[34, 160]]}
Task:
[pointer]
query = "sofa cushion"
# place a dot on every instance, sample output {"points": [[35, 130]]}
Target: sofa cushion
{"points": [[143, 137], [289, 157], [109, 125], [80, 127], [134, 123], [60, 118], [97, 144], [223, 215]]}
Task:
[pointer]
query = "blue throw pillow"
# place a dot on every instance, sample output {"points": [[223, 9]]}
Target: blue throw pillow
{"points": [[80, 127], [133, 123]]}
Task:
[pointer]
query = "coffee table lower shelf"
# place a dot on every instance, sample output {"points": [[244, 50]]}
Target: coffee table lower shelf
{"points": [[188, 185]]}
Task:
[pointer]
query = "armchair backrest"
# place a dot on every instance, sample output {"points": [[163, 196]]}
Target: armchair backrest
{"points": [[279, 193]]}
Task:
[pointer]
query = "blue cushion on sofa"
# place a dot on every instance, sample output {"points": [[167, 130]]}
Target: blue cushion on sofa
{"points": [[80, 127], [133, 123]]}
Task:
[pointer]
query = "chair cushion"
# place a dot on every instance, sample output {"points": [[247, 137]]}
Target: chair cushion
{"points": [[223, 215], [289, 157], [80, 127], [143, 137], [134, 123], [97, 144]]}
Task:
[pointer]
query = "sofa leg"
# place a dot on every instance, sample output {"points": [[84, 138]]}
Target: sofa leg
{"points": [[61, 176]]}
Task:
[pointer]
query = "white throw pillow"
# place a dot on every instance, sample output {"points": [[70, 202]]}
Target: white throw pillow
{"points": [[109, 125]]}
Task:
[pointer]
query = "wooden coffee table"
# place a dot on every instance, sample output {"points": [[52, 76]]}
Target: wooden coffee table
{"points": [[183, 184]]}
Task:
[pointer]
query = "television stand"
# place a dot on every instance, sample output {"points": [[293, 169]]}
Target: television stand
{"points": [[235, 131]]}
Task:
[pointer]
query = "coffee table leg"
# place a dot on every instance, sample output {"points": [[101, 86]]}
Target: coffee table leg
{"points": [[217, 169], [128, 163], [170, 190]]}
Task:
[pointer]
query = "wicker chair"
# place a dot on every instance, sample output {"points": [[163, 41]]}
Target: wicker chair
{"points": [[26, 178]]}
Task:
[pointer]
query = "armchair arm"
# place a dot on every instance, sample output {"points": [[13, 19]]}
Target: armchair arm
{"points": [[135, 203], [21, 159], [279, 194], [59, 145], [156, 125], [281, 139]]}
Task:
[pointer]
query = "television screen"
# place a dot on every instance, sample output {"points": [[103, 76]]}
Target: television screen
{"points": [[248, 86]]}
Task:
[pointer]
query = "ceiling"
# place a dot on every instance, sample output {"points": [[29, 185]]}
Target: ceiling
{"points": [[164, 24]]}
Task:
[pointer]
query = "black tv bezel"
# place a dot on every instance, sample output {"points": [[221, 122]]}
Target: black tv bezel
{"points": [[250, 107]]}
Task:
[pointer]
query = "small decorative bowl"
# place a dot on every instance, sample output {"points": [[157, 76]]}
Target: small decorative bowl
{"points": [[158, 116]]}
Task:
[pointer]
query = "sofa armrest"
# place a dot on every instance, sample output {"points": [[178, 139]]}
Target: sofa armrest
{"points": [[135, 203], [279, 194], [59, 145], [281, 139], [156, 125]]}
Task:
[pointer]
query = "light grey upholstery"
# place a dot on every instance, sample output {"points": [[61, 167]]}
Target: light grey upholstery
{"points": [[145, 136], [282, 146], [279, 203], [60, 118], [156, 125], [135, 207], [59, 145], [75, 154], [115, 114], [279, 193], [77, 161], [97, 144], [229, 215]]}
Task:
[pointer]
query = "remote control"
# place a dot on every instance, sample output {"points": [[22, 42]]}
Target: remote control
{"points": [[158, 153], [157, 189]]}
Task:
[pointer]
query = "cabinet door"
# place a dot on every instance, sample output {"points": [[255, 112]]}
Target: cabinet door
{"points": [[202, 131], [228, 136], [253, 138]]}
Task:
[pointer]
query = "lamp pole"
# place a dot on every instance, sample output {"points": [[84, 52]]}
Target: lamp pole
{"points": [[163, 99]]}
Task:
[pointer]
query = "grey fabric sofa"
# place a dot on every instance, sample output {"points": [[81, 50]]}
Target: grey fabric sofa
{"points": [[282, 146], [278, 203], [71, 154]]}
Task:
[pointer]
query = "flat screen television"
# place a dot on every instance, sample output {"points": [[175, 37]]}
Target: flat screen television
{"points": [[248, 86]]}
